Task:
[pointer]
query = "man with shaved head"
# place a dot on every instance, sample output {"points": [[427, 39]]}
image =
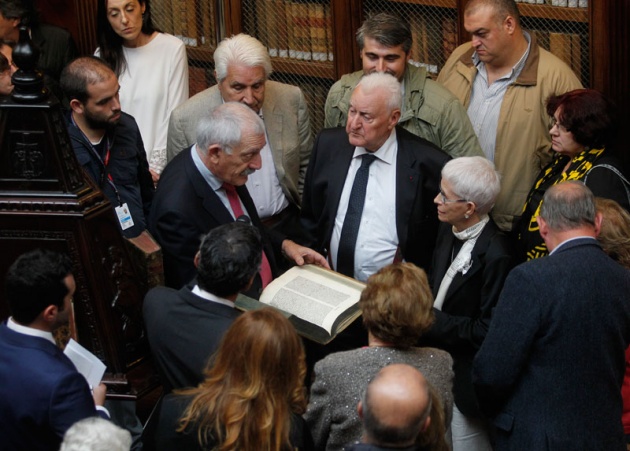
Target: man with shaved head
{"points": [[394, 410], [503, 78], [107, 142]]}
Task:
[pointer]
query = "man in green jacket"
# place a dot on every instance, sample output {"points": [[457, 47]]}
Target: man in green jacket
{"points": [[428, 110]]}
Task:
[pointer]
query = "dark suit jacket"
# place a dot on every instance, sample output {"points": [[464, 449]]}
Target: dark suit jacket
{"points": [[418, 170], [551, 366], [462, 324], [184, 330], [41, 393], [184, 209]]}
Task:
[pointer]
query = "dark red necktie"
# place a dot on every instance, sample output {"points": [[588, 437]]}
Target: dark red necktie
{"points": [[235, 203]]}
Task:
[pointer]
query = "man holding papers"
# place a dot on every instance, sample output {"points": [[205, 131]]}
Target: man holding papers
{"points": [[41, 392]]}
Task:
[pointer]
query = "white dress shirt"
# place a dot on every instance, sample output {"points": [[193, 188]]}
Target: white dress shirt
{"points": [[264, 186], [211, 297], [377, 240]]}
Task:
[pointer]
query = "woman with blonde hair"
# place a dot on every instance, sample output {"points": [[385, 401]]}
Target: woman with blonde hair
{"points": [[252, 397], [397, 308], [614, 235]]}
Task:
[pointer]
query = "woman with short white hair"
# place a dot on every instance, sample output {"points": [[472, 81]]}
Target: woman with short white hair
{"points": [[470, 264]]}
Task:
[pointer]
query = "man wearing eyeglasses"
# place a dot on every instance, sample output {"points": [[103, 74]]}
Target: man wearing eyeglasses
{"points": [[369, 189]]}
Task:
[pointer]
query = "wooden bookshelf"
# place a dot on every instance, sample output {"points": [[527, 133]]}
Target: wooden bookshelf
{"points": [[605, 42], [304, 68], [200, 54], [433, 3], [554, 12]]}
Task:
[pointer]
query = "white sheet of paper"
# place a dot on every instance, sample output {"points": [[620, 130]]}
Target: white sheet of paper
{"points": [[86, 363]]}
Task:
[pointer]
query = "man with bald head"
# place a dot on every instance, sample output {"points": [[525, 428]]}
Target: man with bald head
{"points": [[503, 78], [107, 141], [369, 189], [395, 409]]}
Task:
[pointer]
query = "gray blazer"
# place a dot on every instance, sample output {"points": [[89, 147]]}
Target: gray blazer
{"points": [[342, 377], [286, 118]]}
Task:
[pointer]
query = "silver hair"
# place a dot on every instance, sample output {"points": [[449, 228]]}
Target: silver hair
{"points": [[225, 124], [385, 82], [96, 434], [474, 179], [242, 50], [568, 206]]}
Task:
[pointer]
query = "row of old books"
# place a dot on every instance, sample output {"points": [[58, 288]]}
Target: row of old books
{"points": [[193, 21], [293, 29], [434, 39], [561, 3], [566, 46]]}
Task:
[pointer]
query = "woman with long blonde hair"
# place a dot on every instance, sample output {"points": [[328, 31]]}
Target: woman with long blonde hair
{"points": [[252, 397]]}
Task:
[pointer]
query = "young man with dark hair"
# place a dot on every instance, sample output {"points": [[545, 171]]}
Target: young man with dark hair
{"points": [[107, 141], [41, 392], [185, 326], [428, 110]]}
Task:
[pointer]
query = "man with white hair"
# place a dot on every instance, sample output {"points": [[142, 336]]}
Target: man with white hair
{"points": [[369, 189], [242, 69], [204, 187], [96, 434]]}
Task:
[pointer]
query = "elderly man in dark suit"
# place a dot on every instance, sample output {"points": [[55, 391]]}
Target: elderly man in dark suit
{"points": [[204, 186], [550, 369], [41, 392], [368, 195], [185, 327]]}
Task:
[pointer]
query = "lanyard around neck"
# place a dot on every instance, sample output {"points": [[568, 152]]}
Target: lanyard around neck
{"points": [[103, 161]]}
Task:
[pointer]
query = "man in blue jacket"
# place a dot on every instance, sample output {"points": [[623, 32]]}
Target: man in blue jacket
{"points": [[107, 142], [549, 372], [41, 392]]}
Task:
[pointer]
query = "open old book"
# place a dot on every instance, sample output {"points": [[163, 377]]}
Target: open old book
{"points": [[320, 303]]}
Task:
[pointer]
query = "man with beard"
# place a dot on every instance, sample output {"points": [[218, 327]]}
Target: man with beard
{"points": [[107, 142]]}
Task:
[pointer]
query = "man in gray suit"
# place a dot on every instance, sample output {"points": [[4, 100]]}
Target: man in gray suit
{"points": [[550, 370], [242, 68]]}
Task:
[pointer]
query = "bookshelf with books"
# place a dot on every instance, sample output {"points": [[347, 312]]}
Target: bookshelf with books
{"points": [[437, 26], [592, 36], [308, 41]]}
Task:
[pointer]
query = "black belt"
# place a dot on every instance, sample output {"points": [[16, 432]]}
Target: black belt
{"points": [[274, 220]]}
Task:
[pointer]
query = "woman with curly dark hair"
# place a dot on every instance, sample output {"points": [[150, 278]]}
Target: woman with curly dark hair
{"points": [[152, 69], [252, 397], [583, 129]]}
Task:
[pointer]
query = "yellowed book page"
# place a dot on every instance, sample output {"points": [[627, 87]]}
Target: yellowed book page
{"points": [[313, 294]]}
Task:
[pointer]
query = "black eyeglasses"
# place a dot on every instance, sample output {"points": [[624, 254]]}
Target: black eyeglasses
{"points": [[445, 200], [554, 123]]}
